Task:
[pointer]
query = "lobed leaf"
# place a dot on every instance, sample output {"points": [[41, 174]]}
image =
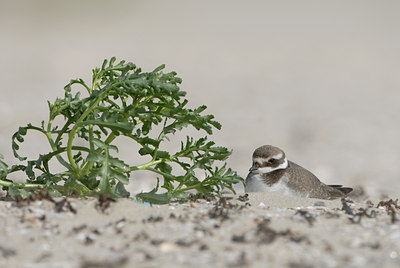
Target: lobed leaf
{"points": [[124, 101]]}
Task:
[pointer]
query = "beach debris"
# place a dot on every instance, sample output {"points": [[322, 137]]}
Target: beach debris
{"points": [[320, 204], [261, 205], [370, 204], [371, 245], [393, 255], [238, 238], [346, 207], [220, 209], [7, 252], [86, 239], [266, 235], [168, 246], [234, 258], [119, 225], [40, 194], [89, 239], [156, 242], [59, 206], [224, 201], [331, 215], [243, 198], [153, 219], [203, 247], [43, 257], [299, 265], [142, 236], [121, 222], [142, 255], [184, 242], [362, 212], [306, 215], [356, 218], [198, 196], [388, 203], [105, 263], [79, 228], [391, 207], [218, 212], [162, 235], [104, 202], [31, 195], [140, 202]]}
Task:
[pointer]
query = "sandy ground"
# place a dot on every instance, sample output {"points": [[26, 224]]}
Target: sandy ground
{"points": [[258, 230], [317, 79]]}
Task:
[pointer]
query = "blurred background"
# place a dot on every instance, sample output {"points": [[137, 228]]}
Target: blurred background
{"points": [[319, 79]]}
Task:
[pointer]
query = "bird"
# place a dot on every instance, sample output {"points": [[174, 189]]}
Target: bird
{"points": [[271, 171]]}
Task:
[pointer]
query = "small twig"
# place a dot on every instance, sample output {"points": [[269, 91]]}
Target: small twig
{"points": [[391, 207], [346, 207], [307, 216]]}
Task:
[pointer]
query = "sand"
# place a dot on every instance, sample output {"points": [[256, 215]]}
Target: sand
{"points": [[317, 79], [239, 231]]}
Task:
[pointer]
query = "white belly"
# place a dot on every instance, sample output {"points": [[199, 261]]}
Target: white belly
{"points": [[255, 184]]}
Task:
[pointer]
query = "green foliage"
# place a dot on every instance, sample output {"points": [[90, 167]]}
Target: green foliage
{"points": [[3, 167], [123, 101]]}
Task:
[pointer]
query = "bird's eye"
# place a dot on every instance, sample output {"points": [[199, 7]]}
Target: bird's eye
{"points": [[256, 165], [272, 160]]}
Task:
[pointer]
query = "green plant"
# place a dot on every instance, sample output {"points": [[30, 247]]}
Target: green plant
{"points": [[123, 100]]}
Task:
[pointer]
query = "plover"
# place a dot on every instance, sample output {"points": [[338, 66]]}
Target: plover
{"points": [[272, 172]]}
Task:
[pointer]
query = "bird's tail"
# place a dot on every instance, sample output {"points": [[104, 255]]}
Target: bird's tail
{"points": [[344, 190]]}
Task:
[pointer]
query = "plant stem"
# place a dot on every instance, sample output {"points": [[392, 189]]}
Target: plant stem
{"points": [[147, 165], [20, 185], [53, 144], [191, 187], [54, 148], [88, 165], [184, 179], [166, 175], [75, 129]]}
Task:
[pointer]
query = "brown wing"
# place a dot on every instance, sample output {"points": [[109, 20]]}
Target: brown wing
{"points": [[310, 185]]}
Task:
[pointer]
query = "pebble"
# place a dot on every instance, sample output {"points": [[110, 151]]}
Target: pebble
{"points": [[168, 247], [320, 204], [261, 205]]}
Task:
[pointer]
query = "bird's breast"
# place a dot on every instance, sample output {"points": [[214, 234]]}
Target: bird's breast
{"points": [[257, 183]]}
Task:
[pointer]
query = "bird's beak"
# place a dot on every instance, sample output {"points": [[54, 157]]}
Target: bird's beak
{"points": [[252, 169]]}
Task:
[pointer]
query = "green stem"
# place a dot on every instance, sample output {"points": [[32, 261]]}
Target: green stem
{"points": [[20, 185], [75, 129], [194, 186], [147, 165], [62, 131], [91, 146], [191, 187], [161, 173], [159, 138], [184, 179], [54, 148], [88, 165], [91, 137]]}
